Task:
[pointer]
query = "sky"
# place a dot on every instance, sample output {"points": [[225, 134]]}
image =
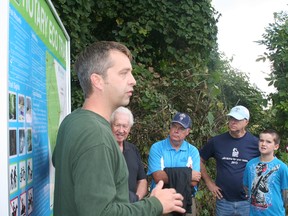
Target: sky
{"points": [[243, 22]]}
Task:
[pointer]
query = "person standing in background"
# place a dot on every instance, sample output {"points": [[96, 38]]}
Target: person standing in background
{"points": [[176, 162], [122, 121], [231, 150], [266, 178]]}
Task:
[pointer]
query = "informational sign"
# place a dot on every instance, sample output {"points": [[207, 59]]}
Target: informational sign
{"points": [[38, 98]]}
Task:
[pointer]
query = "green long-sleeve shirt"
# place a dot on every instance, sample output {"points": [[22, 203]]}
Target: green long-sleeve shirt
{"points": [[91, 173]]}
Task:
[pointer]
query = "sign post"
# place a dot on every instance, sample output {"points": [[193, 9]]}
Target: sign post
{"points": [[35, 91]]}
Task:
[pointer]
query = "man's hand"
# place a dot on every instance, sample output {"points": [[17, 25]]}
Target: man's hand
{"points": [[215, 190], [169, 198], [196, 176], [212, 187]]}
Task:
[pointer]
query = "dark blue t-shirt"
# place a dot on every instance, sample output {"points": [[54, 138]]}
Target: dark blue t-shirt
{"points": [[231, 155]]}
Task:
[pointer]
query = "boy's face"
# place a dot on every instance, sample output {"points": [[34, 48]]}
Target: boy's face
{"points": [[266, 144]]}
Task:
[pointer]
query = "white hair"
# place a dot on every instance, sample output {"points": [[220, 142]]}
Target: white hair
{"points": [[124, 110]]}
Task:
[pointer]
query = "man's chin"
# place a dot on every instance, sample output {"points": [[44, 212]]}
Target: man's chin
{"points": [[120, 140], [122, 103], [126, 101]]}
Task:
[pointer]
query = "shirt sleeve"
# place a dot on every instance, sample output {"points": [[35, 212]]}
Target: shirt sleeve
{"points": [[207, 150], [141, 172], [196, 160], [154, 160], [96, 187], [284, 177], [245, 176]]}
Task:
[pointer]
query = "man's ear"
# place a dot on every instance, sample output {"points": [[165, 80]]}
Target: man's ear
{"points": [[247, 122], [97, 81]]}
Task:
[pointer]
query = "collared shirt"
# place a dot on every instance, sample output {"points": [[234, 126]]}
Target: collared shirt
{"points": [[163, 155]]}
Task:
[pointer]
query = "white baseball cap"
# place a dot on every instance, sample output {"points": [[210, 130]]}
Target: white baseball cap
{"points": [[239, 113]]}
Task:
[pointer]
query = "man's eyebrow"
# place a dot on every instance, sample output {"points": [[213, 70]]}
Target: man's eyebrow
{"points": [[126, 69]]}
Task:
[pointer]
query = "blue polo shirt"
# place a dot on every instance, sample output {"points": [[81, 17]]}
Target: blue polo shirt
{"points": [[163, 155]]}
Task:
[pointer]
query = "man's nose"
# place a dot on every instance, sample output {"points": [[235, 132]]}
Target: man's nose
{"points": [[132, 80], [121, 128]]}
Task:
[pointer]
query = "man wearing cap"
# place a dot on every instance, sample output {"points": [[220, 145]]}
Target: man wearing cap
{"points": [[231, 150], [174, 159]]}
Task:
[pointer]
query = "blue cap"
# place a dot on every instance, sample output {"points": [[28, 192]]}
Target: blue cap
{"points": [[182, 119], [239, 113]]}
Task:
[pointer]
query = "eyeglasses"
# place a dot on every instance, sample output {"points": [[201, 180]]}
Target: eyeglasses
{"points": [[234, 119], [118, 126], [177, 127]]}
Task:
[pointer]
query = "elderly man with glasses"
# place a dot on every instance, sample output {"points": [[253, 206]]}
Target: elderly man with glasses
{"points": [[121, 123]]}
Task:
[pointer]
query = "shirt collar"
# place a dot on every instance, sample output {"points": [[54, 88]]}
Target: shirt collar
{"points": [[169, 147]]}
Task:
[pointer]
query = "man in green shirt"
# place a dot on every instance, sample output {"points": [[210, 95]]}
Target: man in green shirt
{"points": [[91, 175]]}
